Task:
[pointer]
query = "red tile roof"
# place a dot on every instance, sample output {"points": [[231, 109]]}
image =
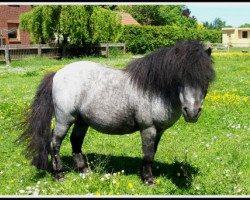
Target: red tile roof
{"points": [[127, 19]]}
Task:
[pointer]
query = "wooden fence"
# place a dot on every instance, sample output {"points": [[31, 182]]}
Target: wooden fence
{"points": [[105, 47], [232, 47], [17, 52]]}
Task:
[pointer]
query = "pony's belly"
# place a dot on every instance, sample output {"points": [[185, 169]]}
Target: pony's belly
{"points": [[111, 128], [110, 124]]}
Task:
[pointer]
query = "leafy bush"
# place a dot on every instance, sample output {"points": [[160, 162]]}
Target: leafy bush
{"points": [[141, 39]]}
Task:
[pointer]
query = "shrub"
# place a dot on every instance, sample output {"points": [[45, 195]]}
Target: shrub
{"points": [[141, 39]]}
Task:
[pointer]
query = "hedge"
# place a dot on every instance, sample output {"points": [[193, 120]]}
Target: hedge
{"points": [[142, 39]]}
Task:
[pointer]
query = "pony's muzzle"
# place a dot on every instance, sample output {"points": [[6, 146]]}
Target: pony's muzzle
{"points": [[191, 115]]}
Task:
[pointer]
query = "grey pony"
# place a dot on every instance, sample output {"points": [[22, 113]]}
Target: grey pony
{"points": [[149, 96]]}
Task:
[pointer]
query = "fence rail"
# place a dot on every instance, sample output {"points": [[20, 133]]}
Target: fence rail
{"points": [[231, 47], [106, 46], [17, 52]]}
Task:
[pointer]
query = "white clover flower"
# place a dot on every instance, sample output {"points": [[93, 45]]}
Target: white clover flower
{"points": [[239, 190], [197, 187], [102, 179], [22, 191], [229, 134], [82, 175], [122, 171], [36, 192]]}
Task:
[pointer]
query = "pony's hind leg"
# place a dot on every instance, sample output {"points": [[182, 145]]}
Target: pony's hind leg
{"points": [[58, 135], [76, 139]]}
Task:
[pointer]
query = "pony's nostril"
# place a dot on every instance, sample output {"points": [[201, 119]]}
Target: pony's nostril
{"points": [[199, 112], [185, 109]]}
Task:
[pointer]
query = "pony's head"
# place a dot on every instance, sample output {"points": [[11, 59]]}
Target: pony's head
{"points": [[191, 99], [184, 70], [193, 90]]}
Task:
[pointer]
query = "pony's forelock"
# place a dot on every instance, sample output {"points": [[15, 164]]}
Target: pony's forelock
{"points": [[159, 72]]}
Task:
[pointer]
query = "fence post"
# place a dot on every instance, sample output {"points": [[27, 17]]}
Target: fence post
{"points": [[107, 49], [39, 50], [124, 48], [7, 55]]}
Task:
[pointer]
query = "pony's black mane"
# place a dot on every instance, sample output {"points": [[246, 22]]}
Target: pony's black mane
{"points": [[167, 68]]}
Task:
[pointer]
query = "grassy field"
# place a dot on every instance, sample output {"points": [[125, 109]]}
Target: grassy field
{"points": [[210, 157]]}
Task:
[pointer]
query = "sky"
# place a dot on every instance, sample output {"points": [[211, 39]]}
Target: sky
{"points": [[235, 14]]}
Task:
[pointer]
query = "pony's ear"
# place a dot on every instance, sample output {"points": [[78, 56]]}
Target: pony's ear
{"points": [[208, 51]]}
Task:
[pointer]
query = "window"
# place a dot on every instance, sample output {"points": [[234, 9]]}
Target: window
{"points": [[13, 31], [12, 34], [244, 34], [2, 41]]}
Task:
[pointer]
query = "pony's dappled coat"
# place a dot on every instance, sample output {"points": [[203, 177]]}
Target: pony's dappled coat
{"points": [[144, 96]]}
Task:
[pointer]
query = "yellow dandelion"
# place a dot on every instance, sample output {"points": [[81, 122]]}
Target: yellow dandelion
{"points": [[157, 181], [117, 184], [118, 173], [130, 185], [12, 181], [245, 99], [98, 193]]}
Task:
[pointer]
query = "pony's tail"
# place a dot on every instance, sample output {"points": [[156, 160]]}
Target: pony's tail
{"points": [[37, 131]]}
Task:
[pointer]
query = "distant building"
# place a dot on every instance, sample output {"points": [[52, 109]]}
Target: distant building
{"points": [[236, 37], [127, 19], [10, 32]]}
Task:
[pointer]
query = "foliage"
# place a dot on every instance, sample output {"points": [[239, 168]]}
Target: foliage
{"points": [[105, 25], [217, 163], [216, 24], [246, 25], [141, 39], [76, 24], [32, 23], [160, 15]]}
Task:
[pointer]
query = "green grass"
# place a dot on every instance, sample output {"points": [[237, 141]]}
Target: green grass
{"points": [[206, 158]]}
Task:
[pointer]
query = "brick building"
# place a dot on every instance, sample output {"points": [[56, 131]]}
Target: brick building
{"points": [[10, 32]]}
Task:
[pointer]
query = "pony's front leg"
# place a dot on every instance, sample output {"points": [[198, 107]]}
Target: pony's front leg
{"points": [[59, 133], [149, 138]]}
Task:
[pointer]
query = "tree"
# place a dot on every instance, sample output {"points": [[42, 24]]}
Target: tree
{"points": [[77, 24], [216, 24], [246, 25], [160, 15]]}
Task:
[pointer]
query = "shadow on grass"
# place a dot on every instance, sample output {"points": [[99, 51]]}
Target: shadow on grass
{"points": [[180, 173]]}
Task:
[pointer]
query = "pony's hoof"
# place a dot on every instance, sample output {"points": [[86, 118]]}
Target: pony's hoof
{"points": [[82, 170], [150, 182], [59, 177]]}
